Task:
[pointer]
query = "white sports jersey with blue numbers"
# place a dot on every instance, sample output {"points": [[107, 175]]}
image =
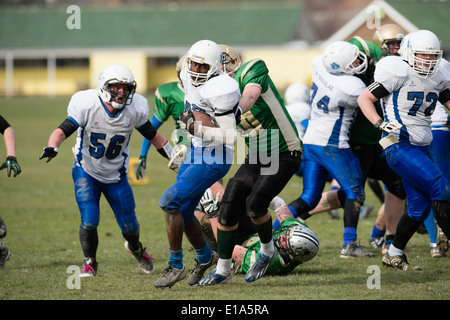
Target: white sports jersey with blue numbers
{"points": [[220, 94], [412, 100], [102, 144], [333, 107]]}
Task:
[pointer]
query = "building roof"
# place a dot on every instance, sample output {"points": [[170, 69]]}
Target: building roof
{"points": [[411, 15], [152, 26]]}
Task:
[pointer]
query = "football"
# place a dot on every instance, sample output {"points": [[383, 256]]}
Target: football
{"points": [[202, 119]]}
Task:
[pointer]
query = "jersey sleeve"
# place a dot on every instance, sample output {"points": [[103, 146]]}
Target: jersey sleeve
{"points": [[390, 72], [255, 72], [142, 109], [76, 108]]}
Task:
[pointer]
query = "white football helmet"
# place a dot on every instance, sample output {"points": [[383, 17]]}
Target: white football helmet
{"points": [[338, 58], [230, 59], [422, 42], [113, 74], [296, 242], [297, 92], [204, 52]]}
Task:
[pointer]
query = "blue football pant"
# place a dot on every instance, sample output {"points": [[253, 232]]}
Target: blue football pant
{"points": [[201, 169], [119, 196], [422, 179], [341, 164]]}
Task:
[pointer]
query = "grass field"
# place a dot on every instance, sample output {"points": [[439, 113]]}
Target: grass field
{"points": [[42, 220]]}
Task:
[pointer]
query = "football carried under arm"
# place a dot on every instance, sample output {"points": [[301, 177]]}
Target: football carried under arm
{"points": [[199, 124]]}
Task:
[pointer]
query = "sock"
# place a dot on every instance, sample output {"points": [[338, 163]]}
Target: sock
{"points": [[224, 266], [376, 233], [349, 235], [389, 239], [203, 254], [89, 242], [226, 241], [267, 248], [176, 258], [264, 231], [430, 225], [393, 251]]}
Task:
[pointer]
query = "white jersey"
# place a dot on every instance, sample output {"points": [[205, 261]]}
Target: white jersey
{"points": [[300, 112], [333, 107], [218, 95], [102, 144], [412, 100]]}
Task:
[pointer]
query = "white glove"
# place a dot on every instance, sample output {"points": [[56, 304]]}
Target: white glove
{"points": [[209, 204], [388, 126], [178, 155]]}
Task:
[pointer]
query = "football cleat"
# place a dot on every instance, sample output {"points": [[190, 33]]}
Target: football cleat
{"points": [[90, 267], [397, 262], [199, 269], [352, 250], [259, 268], [145, 261], [4, 255], [170, 276], [212, 279]]}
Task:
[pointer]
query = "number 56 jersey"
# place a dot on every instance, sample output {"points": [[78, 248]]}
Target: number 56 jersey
{"points": [[333, 107], [102, 143]]}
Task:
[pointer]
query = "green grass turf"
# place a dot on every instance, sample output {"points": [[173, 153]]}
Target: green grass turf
{"points": [[42, 220]]}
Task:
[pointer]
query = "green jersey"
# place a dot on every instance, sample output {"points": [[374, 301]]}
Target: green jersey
{"points": [[253, 246], [267, 126], [169, 101], [362, 130]]}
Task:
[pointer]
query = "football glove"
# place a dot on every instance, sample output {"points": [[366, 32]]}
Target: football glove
{"points": [[388, 126], [210, 205], [11, 164], [186, 121], [141, 166], [49, 152], [178, 155]]}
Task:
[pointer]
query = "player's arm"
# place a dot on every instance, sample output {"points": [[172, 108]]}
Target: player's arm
{"points": [[250, 94], [444, 98], [161, 144], [225, 133], [9, 137], [57, 137], [366, 102], [145, 146]]}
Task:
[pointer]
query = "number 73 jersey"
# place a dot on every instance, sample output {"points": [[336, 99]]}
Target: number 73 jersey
{"points": [[412, 100], [333, 107], [102, 144]]}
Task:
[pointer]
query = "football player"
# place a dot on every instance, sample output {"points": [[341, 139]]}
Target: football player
{"points": [[295, 243], [210, 91], [440, 154], [274, 155], [10, 164], [105, 119], [335, 89], [411, 85]]}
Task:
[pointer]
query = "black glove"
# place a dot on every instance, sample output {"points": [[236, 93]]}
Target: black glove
{"points": [[49, 152], [186, 121], [11, 164]]}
